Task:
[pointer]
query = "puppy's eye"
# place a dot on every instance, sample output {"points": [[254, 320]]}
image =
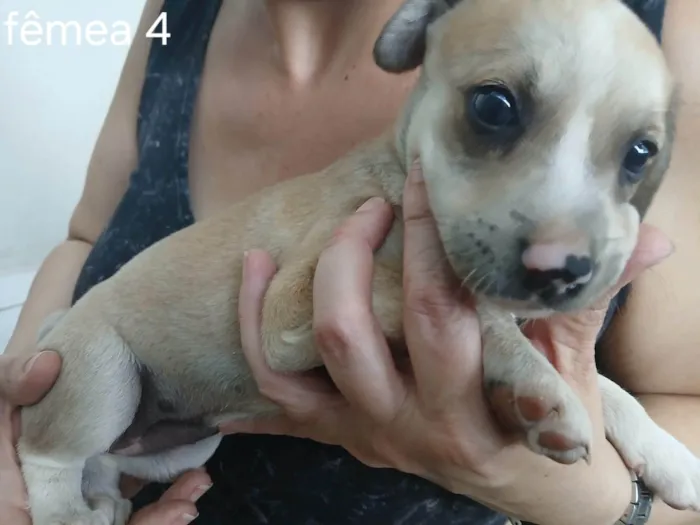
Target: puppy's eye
{"points": [[637, 158], [492, 108]]}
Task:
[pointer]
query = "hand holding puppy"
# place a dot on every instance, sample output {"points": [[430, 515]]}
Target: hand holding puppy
{"points": [[433, 422]]}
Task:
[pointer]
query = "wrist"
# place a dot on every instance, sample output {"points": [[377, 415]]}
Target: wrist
{"points": [[548, 493], [597, 493]]}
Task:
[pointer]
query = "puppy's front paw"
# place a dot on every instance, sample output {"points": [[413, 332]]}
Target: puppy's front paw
{"points": [[553, 420], [668, 468]]}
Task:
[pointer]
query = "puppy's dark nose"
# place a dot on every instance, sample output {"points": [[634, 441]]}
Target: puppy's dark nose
{"points": [[555, 271]]}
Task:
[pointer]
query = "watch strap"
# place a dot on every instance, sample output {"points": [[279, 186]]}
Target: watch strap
{"points": [[639, 510]]}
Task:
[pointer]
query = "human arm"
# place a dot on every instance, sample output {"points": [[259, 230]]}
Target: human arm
{"points": [[433, 422], [112, 161], [113, 158], [530, 487]]}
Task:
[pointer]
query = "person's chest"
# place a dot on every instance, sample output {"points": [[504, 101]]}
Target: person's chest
{"points": [[249, 130]]}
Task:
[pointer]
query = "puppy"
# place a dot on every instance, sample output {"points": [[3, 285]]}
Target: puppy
{"points": [[544, 129]]}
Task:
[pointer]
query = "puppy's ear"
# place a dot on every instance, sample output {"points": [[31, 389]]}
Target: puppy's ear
{"points": [[401, 44]]}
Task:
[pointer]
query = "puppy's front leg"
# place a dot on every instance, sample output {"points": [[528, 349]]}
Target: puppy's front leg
{"points": [[670, 470], [287, 315], [553, 419], [288, 337]]}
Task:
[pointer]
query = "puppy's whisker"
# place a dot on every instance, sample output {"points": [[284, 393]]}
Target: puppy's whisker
{"points": [[480, 282], [465, 281]]}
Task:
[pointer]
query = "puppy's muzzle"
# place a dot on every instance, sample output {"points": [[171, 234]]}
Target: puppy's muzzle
{"points": [[556, 271], [556, 281]]}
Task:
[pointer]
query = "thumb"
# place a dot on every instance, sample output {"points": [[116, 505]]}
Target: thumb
{"points": [[25, 380], [429, 282], [653, 247]]}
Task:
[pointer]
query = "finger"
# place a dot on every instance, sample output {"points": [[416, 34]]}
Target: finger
{"points": [[442, 329], [184, 487], [653, 247], [15, 515], [176, 512], [25, 380], [428, 277], [298, 394], [176, 505], [350, 340], [190, 486], [12, 493], [369, 225]]}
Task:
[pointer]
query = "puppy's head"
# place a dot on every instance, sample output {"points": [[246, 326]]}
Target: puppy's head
{"points": [[543, 128]]}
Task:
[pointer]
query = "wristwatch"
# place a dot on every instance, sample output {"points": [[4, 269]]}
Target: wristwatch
{"points": [[639, 509]]}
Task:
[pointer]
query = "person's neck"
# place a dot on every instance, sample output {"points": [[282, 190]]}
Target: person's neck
{"points": [[314, 37]]}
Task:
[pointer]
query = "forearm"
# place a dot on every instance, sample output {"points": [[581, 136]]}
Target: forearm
{"points": [[51, 290]]}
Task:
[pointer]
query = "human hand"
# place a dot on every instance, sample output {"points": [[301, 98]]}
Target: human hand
{"points": [[434, 421], [24, 381]]}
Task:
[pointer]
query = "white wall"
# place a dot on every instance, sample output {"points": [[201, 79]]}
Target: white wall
{"points": [[53, 98]]}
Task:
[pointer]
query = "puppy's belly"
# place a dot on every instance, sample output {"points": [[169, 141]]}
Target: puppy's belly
{"points": [[160, 436], [183, 405]]}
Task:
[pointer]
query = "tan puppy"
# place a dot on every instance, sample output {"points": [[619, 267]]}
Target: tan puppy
{"points": [[544, 130]]}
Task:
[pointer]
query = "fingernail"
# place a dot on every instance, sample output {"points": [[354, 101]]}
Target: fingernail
{"points": [[372, 204], [199, 492], [671, 249], [244, 266], [664, 253], [29, 364], [189, 518], [416, 171]]}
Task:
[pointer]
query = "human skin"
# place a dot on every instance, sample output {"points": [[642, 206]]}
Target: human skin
{"points": [[310, 82]]}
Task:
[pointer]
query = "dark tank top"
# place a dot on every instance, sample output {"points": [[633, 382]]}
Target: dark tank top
{"points": [[257, 479]]}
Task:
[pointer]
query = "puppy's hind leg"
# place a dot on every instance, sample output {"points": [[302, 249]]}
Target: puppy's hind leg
{"points": [[670, 470], [167, 465], [90, 406], [288, 339], [102, 473]]}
